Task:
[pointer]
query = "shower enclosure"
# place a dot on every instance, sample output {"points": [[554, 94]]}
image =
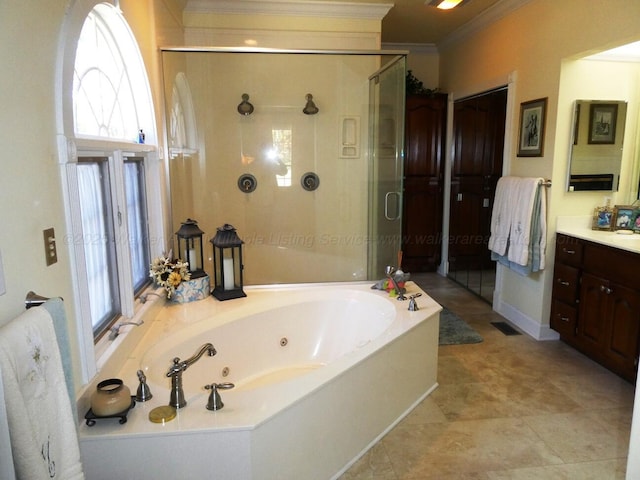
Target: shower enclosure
{"points": [[313, 189]]}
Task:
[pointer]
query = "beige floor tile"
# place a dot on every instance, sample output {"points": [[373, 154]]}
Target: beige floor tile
{"points": [[373, 465], [500, 399], [601, 390], [427, 412], [582, 436], [470, 447], [601, 470], [509, 407]]}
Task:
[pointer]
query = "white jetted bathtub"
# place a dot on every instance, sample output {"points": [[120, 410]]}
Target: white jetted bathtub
{"points": [[321, 372]]}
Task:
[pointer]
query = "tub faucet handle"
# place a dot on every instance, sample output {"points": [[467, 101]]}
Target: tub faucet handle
{"points": [[144, 393], [413, 305], [215, 402]]}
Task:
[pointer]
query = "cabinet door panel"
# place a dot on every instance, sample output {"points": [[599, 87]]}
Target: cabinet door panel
{"points": [[624, 327], [422, 237], [425, 129], [593, 315]]}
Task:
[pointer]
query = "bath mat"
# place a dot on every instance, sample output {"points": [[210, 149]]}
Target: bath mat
{"points": [[455, 331], [505, 328]]}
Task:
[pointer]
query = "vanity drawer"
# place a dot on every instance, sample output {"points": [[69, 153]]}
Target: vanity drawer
{"points": [[563, 319], [569, 250], [565, 283]]}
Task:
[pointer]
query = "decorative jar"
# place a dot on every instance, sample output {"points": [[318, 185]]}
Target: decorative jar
{"points": [[110, 398]]}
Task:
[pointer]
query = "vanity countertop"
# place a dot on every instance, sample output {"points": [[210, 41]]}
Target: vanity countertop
{"points": [[580, 227]]}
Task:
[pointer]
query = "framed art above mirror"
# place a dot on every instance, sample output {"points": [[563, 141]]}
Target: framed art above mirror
{"points": [[596, 150]]}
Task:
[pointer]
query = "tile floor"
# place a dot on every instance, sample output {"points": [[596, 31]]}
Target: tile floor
{"points": [[507, 408]]}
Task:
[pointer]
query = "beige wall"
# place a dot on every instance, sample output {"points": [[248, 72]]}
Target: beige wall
{"points": [[529, 46], [30, 182]]}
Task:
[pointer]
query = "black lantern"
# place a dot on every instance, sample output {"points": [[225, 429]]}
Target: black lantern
{"points": [[190, 247], [227, 264]]}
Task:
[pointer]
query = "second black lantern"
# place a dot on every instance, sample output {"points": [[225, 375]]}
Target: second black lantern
{"points": [[227, 264]]}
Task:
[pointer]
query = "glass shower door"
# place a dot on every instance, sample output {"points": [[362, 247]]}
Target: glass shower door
{"points": [[386, 156]]}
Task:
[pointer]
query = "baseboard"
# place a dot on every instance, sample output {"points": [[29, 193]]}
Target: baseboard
{"points": [[525, 323]]}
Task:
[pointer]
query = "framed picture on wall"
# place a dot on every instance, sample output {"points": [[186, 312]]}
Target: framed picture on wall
{"points": [[532, 124], [602, 123]]}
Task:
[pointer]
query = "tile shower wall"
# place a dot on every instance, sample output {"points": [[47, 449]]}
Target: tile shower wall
{"points": [[290, 234]]}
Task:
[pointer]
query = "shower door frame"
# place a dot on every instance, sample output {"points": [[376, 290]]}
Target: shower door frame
{"points": [[385, 177]]}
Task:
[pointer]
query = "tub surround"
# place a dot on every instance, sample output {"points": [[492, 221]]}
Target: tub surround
{"points": [[280, 428]]}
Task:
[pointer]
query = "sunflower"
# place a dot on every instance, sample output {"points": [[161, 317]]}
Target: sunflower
{"points": [[168, 273]]}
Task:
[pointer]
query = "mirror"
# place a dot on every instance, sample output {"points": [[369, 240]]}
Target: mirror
{"points": [[596, 150]]}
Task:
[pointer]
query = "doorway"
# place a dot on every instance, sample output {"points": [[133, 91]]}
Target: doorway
{"points": [[477, 156]]}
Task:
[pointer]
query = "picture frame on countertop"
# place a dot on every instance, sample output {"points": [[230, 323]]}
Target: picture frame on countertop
{"points": [[602, 219], [636, 221], [623, 217]]}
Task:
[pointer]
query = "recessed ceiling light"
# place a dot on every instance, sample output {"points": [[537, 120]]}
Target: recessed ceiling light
{"points": [[446, 4]]}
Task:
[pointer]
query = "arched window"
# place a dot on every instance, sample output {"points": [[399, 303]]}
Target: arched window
{"points": [[110, 88], [110, 169]]}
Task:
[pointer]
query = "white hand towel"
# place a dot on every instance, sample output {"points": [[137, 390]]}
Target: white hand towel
{"points": [[43, 434]]}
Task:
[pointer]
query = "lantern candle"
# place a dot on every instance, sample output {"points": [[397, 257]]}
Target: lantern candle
{"points": [[227, 267], [191, 258]]}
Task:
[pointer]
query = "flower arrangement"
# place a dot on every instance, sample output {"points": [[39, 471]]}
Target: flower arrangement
{"points": [[169, 273]]}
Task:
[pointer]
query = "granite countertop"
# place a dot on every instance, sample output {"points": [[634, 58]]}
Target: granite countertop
{"points": [[580, 227]]}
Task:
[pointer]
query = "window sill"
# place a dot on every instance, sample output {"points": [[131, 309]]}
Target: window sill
{"points": [[112, 353]]}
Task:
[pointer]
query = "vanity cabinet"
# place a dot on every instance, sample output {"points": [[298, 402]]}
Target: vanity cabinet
{"points": [[596, 302]]}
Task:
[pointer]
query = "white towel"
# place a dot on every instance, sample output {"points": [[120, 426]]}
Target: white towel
{"points": [[522, 208], [43, 434], [502, 214], [518, 224]]}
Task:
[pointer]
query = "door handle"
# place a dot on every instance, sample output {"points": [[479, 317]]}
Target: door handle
{"points": [[386, 206]]}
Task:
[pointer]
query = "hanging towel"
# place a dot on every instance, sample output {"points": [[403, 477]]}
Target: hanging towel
{"points": [[522, 219], [44, 440], [55, 307], [501, 216], [518, 224]]}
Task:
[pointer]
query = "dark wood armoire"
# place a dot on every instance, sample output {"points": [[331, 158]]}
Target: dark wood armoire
{"points": [[425, 130]]}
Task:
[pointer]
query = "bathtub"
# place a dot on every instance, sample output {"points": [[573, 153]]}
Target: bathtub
{"points": [[321, 373]]}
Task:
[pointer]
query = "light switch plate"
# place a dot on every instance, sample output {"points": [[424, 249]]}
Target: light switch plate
{"points": [[3, 288], [50, 250]]}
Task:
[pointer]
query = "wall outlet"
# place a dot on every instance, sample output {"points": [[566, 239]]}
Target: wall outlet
{"points": [[3, 288]]}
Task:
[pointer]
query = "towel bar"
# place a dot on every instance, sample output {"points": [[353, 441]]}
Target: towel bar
{"points": [[34, 300], [545, 183]]}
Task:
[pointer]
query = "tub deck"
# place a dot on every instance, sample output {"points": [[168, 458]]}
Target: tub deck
{"points": [[275, 425]]}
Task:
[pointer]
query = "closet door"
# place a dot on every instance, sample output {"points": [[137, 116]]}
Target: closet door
{"points": [[425, 124], [478, 145]]}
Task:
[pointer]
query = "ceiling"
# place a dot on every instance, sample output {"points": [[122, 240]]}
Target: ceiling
{"points": [[411, 21]]}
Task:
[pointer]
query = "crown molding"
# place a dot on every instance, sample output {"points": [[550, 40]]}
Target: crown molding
{"points": [[491, 15], [423, 48], [316, 8]]}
